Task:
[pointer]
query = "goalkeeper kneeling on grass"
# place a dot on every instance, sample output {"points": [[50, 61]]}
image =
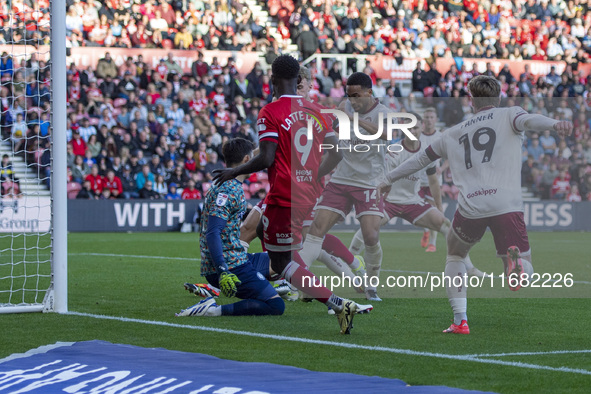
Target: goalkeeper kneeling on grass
{"points": [[224, 263]]}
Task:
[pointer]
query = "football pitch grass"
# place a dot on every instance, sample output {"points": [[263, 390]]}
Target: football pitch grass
{"points": [[126, 288]]}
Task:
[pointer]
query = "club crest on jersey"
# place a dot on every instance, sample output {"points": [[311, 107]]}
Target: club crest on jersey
{"points": [[221, 199]]}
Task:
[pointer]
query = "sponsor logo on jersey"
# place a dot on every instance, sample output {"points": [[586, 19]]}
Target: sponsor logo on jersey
{"points": [[284, 238], [221, 199], [482, 192]]}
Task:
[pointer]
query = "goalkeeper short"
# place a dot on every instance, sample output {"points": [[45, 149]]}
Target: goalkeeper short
{"points": [[253, 275]]}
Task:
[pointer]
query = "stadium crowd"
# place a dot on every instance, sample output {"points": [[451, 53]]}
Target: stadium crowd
{"points": [[142, 132]]}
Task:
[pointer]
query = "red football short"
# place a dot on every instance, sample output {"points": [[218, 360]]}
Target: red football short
{"points": [[283, 227]]}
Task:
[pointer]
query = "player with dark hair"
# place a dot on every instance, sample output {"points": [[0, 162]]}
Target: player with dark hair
{"points": [[295, 165], [224, 263], [354, 182], [334, 254]]}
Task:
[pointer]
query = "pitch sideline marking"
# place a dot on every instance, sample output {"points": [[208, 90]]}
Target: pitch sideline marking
{"points": [[408, 352], [135, 256], [531, 353]]}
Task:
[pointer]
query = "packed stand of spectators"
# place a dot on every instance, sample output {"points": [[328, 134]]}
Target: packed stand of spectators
{"points": [[192, 24], [135, 132], [155, 117], [495, 29], [553, 167], [24, 118]]}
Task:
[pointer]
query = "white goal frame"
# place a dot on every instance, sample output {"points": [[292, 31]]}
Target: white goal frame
{"points": [[56, 297]]}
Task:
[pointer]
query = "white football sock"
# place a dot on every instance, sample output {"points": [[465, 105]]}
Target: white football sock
{"points": [[433, 237], [311, 249], [528, 268], [468, 263], [454, 267], [373, 261], [336, 265], [355, 264], [357, 245]]}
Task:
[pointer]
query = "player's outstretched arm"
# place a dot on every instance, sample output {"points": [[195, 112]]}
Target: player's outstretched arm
{"points": [[331, 159], [263, 160], [416, 163], [538, 122]]}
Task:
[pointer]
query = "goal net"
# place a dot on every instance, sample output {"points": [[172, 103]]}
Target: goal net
{"points": [[28, 149]]}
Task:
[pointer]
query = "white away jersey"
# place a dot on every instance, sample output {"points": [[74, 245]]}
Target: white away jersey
{"points": [[484, 154], [406, 190], [426, 140], [360, 168]]}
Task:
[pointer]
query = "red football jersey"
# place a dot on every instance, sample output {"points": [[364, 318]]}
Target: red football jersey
{"points": [[293, 174], [191, 194]]}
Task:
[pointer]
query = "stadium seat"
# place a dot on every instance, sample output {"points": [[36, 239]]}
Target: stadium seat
{"points": [[255, 187], [206, 186], [73, 189], [119, 102]]}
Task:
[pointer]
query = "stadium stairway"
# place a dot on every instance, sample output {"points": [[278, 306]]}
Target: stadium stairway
{"points": [[29, 183]]}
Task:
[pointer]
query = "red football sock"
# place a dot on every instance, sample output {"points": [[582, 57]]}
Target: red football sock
{"points": [[333, 245], [306, 281]]}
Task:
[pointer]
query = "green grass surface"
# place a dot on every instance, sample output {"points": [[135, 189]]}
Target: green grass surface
{"points": [[118, 275]]}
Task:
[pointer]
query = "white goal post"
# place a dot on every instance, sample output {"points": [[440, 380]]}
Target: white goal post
{"points": [[33, 220]]}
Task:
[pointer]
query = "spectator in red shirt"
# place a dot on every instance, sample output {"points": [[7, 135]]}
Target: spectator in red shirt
{"points": [[200, 68], [190, 163], [574, 195], [190, 193], [97, 181], [78, 144], [113, 183], [561, 186]]}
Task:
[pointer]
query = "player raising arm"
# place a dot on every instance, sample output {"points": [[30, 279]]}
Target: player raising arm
{"points": [[224, 262], [484, 154], [295, 167], [404, 200]]}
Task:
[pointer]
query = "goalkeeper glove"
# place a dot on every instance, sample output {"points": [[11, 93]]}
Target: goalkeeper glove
{"points": [[229, 283]]}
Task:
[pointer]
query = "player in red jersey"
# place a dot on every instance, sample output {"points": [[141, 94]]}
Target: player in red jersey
{"points": [[295, 165], [335, 255]]}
